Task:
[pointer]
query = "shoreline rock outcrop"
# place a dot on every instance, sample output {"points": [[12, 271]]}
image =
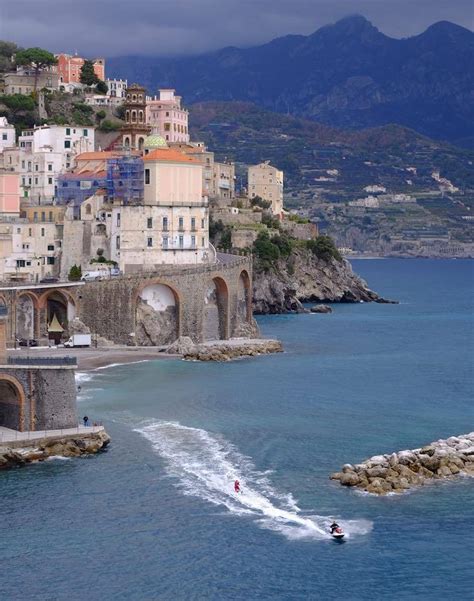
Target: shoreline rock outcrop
{"points": [[305, 278], [12, 455], [397, 472], [226, 350]]}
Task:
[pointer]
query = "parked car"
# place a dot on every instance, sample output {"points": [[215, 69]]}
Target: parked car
{"points": [[27, 342], [79, 340], [49, 279], [90, 276]]}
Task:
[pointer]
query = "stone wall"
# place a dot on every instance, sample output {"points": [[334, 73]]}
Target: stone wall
{"points": [[39, 397]]}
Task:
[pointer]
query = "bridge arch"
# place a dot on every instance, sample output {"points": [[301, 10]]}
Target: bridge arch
{"points": [[59, 304], [244, 297], [157, 313], [12, 403], [216, 310], [26, 315]]}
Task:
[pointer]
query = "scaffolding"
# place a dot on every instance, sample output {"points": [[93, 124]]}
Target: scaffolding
{"points": [[125, 184]]}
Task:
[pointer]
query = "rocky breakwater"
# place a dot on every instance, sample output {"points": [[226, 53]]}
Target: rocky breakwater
{"points": [[224, 350], [21, 453], [396, 472], [304, 278]]}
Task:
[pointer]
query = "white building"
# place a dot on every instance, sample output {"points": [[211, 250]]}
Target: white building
{"points": [[117, 88], [167, 117], [266, 182], [7, 134]]}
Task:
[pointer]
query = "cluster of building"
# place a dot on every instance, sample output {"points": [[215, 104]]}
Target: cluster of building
{"points": [[141, 203]]}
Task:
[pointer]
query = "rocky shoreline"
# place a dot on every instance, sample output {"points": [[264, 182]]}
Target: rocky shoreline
{"points": [[305, 278], [397, 472], [12, 455], [225, 350]]}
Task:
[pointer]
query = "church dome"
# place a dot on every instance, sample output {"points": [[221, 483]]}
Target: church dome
{"points": [[154, 141]]}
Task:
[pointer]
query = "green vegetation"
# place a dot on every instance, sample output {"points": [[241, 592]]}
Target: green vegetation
{"points": [[7, 50], [324, 248], [298, 219], [101, 87], [75, 273], [257, 201], [88, 76], [107, 125], [266, 251], [35, 58], [21, 110], [82, 114]]}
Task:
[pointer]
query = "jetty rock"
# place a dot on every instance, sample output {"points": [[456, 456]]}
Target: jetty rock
{"points": [[321, 309], [397, 472], [225, 350], [73, 445]]}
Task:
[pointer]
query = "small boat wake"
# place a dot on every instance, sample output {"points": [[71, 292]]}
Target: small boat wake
{"points": [[206, 466]]}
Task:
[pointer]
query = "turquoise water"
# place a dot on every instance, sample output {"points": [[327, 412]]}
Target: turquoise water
{"points": [[155, 516]]}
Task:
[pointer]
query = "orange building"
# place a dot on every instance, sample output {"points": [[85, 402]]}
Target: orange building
{"points": [[69, 68]]}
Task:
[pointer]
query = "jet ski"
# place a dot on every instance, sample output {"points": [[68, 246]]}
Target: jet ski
{"points": [[337, 533]]}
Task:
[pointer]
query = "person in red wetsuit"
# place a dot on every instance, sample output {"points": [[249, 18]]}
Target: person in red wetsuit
{"points": [[237, 486]]}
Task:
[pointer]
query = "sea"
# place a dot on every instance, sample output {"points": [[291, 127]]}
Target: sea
{"points": [[155, 517]]}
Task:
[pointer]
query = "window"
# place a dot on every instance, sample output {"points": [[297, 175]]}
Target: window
{"points": [[42, 232], [202, 224], [167, 114], [50, 166], [43, 216], [67, 143], [147, 176], [35, 216], [50, 260], [50, 180], [18, 230], [202, 241], [193, 241], [193, 224], [85, 132], [23, 181], [165, 224], [117, 242], [51, 216], [50, 246], [167, 126], [29, 232], [181, 241], [4, 137], [181, 223], [36, 167], [20, 263], [165, 242], [118, 219], [36, 181], [22, 164], [149, 242], [68, 131], [149, 222]]}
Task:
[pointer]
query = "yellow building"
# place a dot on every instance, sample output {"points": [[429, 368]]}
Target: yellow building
{"points": [[267, 182]]}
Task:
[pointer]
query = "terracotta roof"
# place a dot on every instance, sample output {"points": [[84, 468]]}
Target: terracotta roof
{"points": [[101, 155], [82, 174], [169, 154]]}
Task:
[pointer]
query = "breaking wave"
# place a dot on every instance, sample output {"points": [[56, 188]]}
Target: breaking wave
{"points": [[206, 465]]}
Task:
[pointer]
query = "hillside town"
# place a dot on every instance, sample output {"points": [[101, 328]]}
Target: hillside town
{"points": [[71, 195]]}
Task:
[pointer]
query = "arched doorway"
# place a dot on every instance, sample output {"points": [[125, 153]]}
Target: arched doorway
{"points": [[157, 315], [244, 308], [216, 310], [60, 310], [25, 316], [12, 401]]}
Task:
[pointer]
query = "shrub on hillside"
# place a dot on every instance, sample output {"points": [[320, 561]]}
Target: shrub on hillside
{"points": [[324, 248], [75, 273]]}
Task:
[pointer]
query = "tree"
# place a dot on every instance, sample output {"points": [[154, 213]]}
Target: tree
{"points": [[7, 50], [75, 273], [88, 76], [101, 87], [324, 248], [36, 58], [18, 102]]}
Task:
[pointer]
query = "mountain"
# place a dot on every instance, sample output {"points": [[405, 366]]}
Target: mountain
{"points": [[348, 74]]}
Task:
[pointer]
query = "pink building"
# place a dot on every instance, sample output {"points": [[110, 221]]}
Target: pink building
{"points": [[69, 68], [166, 116], [9, 193]]}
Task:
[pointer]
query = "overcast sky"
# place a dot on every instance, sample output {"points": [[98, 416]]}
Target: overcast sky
{"points": [[163, 27]]}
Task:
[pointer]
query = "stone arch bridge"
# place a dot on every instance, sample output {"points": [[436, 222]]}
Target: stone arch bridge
{"points": [[204, 302]]}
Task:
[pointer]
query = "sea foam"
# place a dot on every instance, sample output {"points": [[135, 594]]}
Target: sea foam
{"points": [[205, 465]]}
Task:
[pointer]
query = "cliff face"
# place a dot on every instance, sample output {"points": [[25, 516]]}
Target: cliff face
{"points": [[303, 277]]}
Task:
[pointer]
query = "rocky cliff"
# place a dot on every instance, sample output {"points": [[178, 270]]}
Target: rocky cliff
{"points": [[303, 277]]}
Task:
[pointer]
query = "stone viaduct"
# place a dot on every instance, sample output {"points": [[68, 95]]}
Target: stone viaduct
{"points": [[204, 302]]}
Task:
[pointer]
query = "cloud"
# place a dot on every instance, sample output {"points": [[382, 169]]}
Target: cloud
{"points": [[172, 27]]}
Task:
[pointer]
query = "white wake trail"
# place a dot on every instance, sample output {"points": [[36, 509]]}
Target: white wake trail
{"points": [[206, 466]]}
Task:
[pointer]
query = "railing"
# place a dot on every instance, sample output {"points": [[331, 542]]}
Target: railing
{"points": [[42, 361]]}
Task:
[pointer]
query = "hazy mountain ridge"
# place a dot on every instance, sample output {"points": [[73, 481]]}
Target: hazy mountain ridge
{"points": [[348, 75]]}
